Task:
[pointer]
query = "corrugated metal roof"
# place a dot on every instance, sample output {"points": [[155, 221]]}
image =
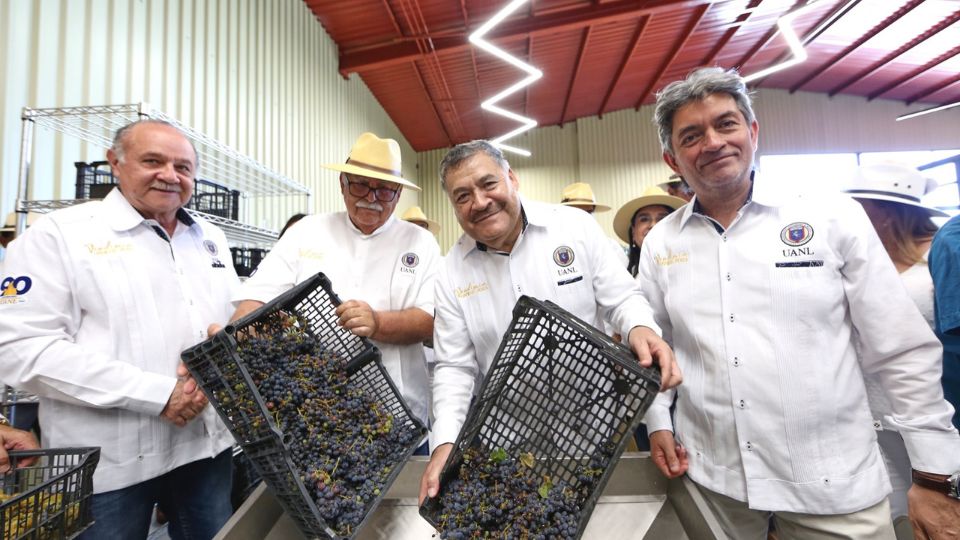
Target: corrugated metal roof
{"points": [[602, 56]]}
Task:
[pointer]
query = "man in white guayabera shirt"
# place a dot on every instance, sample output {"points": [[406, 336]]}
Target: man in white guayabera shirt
{"points": [[764, 298]]}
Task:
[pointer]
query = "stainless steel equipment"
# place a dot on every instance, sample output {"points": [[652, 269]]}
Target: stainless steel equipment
{"points": [[637, 503]]}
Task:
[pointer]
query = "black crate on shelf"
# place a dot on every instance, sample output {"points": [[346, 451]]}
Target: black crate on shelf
{"points": [[94, 179], [560, 390], [246, 260], [221, 373], [214, 199], [49, 499]]}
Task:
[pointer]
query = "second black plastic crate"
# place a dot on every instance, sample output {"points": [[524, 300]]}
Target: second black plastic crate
{"points": [[94, 180], [49, 499], [560, 390], [246, 260], [222, 375], [214, 199]]}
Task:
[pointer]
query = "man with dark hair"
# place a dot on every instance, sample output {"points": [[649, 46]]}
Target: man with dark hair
{"points": [[512, 247], [105, 296], [777, 307]]}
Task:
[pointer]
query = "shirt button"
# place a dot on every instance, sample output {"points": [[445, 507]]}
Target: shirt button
{"points": [[139, 458], [743, 404], [736, 361], [724, 238], [731, 317], [749, 446], [728, 276]]}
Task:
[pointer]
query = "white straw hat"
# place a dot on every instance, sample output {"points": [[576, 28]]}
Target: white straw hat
{"points": [[581, 194], [374, 157], [895, 182]]}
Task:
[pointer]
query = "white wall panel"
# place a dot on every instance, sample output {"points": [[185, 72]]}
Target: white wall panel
{"points": [[258, 75], [619, 155]]}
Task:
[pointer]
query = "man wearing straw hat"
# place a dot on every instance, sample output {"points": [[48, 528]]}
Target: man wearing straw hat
{"points": [[512, 247], [105, 296], [580, 195], [777, 306], [382, 267], [416, 216]]}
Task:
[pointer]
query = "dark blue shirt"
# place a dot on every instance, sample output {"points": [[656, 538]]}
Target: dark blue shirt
{"points": [[944, 261]]}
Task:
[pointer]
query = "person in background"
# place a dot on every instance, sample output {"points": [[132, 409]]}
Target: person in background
{"points": [[678, 187], [108, 294], [12, 438], [416, 216], [635, 219], [290, 223], [9, 231], [891, 193], [765, 298], [382, 266], [944, 262], [513, 247], [580, 195]]}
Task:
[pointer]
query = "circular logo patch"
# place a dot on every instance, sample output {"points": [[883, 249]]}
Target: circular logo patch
{"points": [[563, 256], [410, 260], [796, 234], [211, 247]]}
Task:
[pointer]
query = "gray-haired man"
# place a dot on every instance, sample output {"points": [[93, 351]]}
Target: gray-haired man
{"points": [[766, 300]]}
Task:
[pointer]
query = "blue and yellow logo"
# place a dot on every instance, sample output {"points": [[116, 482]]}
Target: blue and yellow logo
{"points": [[12, 289]]}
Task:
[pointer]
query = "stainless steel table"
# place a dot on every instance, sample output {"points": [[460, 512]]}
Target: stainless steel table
{"points": [[638, 503]]}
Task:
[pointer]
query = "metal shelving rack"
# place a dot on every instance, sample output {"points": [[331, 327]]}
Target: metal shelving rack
{"points": [[218, 162]]}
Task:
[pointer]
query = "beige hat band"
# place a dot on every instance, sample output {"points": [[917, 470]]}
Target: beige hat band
{"points": [[394, 172], [903, 196]]}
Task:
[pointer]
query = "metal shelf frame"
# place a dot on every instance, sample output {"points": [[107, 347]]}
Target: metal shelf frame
{"points": [[218, 162]]}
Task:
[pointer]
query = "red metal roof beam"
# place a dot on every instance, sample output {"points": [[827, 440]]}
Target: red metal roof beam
{"points": [[916, 73], [392, 53], [929, 33], [637, 36], [576, 71], [687, 32], [822, 68], [934, 89]]}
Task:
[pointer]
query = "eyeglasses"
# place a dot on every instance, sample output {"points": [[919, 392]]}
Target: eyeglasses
{"points": [[362, 189]]}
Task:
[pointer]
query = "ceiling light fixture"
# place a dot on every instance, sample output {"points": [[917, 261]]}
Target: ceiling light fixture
{"points": [[928, 111], [532, 75], [785, 23]]}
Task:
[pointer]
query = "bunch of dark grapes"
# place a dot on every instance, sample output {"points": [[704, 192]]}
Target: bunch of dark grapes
{"points": [[499, 496], [343, 441]]}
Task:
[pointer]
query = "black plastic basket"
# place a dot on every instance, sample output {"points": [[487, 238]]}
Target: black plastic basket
{"points": [[214, 199], [50, 498], [94, 179], [220, 371], [560, 390], [246, 260]]}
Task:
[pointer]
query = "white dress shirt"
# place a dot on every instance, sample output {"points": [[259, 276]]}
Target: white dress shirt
{"points": [[391, 269], [98, 334], [762, 318], [563, 256]]}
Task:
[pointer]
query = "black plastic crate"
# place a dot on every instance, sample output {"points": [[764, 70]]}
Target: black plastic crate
{"points": [[561, 391], [224, 378], [246, 260], [214, 199], [49, 499], [94, 179]]}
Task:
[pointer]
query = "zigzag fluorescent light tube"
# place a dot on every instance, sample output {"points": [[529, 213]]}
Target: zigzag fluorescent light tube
{"points": [[532, 75]]}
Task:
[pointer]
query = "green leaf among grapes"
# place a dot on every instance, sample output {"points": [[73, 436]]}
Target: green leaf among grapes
{"points": [[527, 459], [545, 487], [498, 456]]}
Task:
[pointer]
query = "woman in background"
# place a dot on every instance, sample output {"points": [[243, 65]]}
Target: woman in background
{"points": [[635, 219], [890, 194]]}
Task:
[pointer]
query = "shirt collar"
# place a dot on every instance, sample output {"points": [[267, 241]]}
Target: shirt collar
{"points": [[386, 225], [122, 216], [762, 192]]}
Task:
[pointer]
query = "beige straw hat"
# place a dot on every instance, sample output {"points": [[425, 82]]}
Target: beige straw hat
{"points": [[580, 193], [415, 215], [374, 157], [652, 195]]}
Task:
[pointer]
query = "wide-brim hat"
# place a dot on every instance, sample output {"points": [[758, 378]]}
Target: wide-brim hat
{"points": [[415, 214], [580, 193], [10, 225], [374, 157], [894, 182], [653, 195]]}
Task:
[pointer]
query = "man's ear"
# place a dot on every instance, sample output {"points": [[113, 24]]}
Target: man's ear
{"points": [[671, 161]]}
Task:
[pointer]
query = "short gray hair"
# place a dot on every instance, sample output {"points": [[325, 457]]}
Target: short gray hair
{"points": [[464, 151], [698, 85], [119, 138]]}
